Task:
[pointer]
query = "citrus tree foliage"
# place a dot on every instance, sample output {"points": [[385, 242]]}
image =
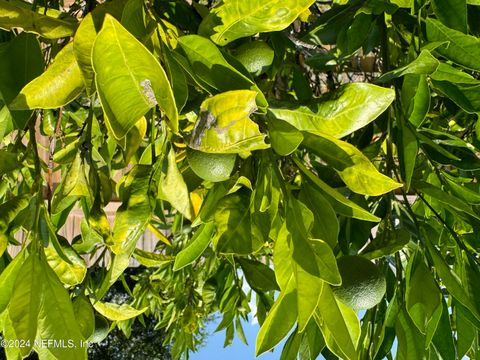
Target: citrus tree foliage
{"points": [[332, 158]]}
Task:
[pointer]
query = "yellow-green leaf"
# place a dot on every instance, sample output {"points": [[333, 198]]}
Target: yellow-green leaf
{"points": [[117, 312], [340, 113], [12, 16], [360, 175], [60, 84], [129, 79], [241, 18], [224, 126]]}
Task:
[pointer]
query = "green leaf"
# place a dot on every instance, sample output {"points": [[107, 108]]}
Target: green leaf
{"points": [[60, 84], [12, 16], [85, 38], [25, 301], [312, 255], [279, 321], [452, 13], [11, 208], [117, 312], [177, 78], [211, 70], [224, 126], [73, 186], [407, 153], [56, 319], [233, 227], [415, 98], [258, 275], [341, 204], [129, 79], [7, 280], [20, 62], [150, 259], [447, 199], [460, 87], [443, 338], [200, 241], [69, 273], [424, 64], [244, 18], [172, 187], [284, 137], [325, 225], [410, 340], [462, 49], [84, 315], [89, 239], [134, 214], [449, 278], [338, 114], [360, 175], [338, 323], [423, 297]]}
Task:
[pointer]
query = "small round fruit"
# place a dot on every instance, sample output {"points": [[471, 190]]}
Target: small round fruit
{"points": [[255, 56], [363, 286], [102, 328], [212, 167]]}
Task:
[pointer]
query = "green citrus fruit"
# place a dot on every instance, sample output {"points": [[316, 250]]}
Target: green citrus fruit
{"points": [[102, 328], [256, 56], [212, 167], [363, 286]]}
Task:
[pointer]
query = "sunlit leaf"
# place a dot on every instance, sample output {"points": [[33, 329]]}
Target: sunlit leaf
{"points": [[129, 80]]}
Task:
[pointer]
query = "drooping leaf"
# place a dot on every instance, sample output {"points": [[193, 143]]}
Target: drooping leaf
{"points": [[84, 315], [259, 276], [415, 98], [325, 225], [341, 203], [25, 301], [69, 273], [348, 109], [172, 187], [423, 297], [85, 37], [312, 255], [117, 312], [8, 278], [450, 279], [240, 19], [339, 324], [56, 318], [410, 340], [20, 62], [408, 149], [72, 187], [129, 79], [196, 247], [134, 214], [280, 320], [354, 168], [233, 226], [224, 126], [12, 16], [460, 48], [60, 84]]}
